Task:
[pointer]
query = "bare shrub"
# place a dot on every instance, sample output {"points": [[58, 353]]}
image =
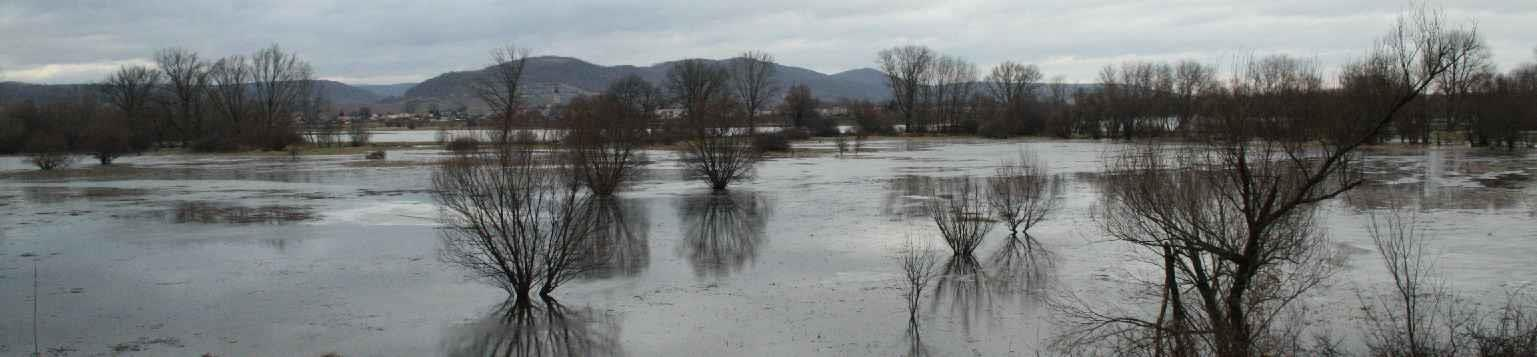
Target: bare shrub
{"points": [[919, 263], [375, 155], [959, 208], [1511, 333], [714, 149], [721, 158], [1022, 194], [463, 145], [513, 222], [107, 139], [49, 151]]}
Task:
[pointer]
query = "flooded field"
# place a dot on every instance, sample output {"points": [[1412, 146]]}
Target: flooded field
{"points": [[259, 255]]}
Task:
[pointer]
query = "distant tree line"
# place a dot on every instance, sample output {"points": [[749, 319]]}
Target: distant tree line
{"points": [[263, 101], [1471, 102]]}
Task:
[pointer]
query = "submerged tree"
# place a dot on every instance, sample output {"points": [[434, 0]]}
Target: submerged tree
{"points": [[959, 207], [920, 265], [603, 139], [514, 221], [715, 150], [1022, 194]]}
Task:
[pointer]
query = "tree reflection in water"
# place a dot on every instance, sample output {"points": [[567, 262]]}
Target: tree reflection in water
{"points": [[1020, 269], [620, 240], [531, 330], [722, 231]]}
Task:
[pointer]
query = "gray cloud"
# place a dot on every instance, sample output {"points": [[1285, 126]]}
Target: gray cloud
{"points": [[383, 41]]}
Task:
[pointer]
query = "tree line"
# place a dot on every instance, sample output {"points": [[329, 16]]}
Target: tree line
{"points": [[1471, 102], [262, 101]]}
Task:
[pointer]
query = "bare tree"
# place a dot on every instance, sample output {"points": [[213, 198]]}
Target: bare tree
{"points": [[699, 88], [1194, 82], [1232, 219], [186, 91], [603, 141], [231, 99], [1013, 86], [130, 90], [908, 70], [639, 99], [714, 150], [280, 85], [514, 222], [500, 87], [950, 91], [800, 105], [959, 207], [752, 80]]}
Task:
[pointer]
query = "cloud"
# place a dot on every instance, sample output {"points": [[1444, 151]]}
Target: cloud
{"points": [[393, 40], [70, 72]]}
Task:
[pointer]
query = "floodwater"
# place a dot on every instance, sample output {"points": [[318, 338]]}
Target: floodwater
{"points": [[259, 255]]}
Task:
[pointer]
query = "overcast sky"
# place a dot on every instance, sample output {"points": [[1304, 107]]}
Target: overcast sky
{"points": [[391, 41]]}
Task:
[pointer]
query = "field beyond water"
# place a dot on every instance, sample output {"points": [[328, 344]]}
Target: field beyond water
{"points": [[242, 255]]}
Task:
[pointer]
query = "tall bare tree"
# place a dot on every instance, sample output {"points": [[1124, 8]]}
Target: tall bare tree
{"points": [[800, 106], [951, 89], [186, 89], [1013, 86], [131, 91], [514, 222], [500, 87], [752, 81], [639, 99], [698, 87], [280, 85], [231, 100], [908, 70], [1193, 83]]}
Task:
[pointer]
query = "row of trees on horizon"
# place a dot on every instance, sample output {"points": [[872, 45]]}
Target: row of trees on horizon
{"points": [[268, 101]]}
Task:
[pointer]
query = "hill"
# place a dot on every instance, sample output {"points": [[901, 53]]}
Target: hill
{"points": [[386, 90], [548, 74]]}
